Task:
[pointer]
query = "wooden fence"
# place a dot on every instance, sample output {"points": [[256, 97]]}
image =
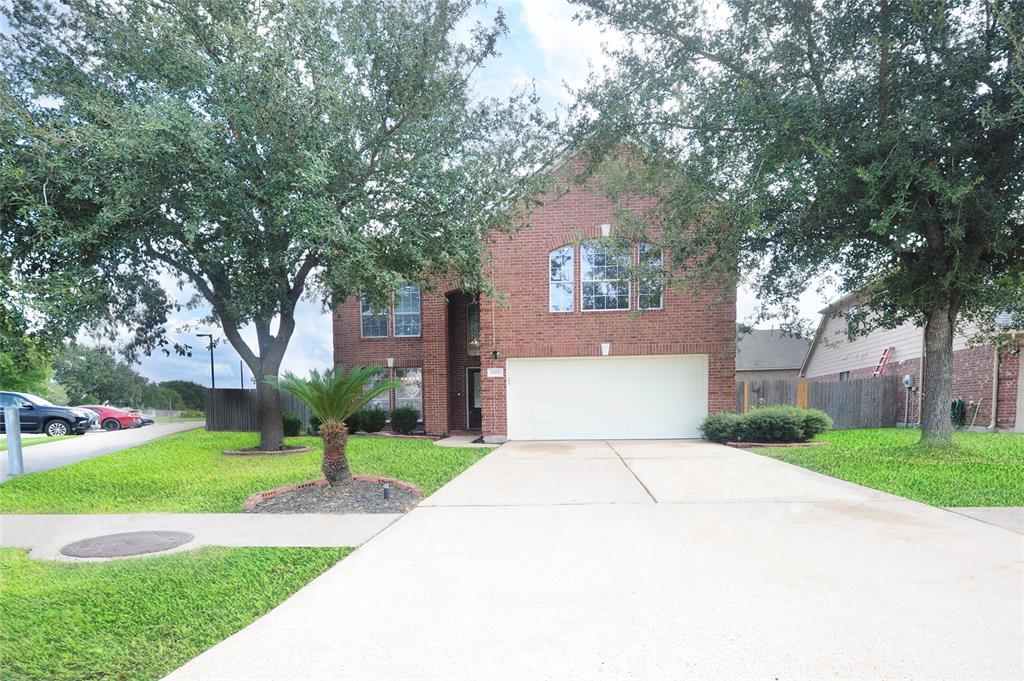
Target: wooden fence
{"points": [[236, 409], [863, 403]]}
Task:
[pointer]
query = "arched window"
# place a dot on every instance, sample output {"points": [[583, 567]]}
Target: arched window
{"points": [[560, 275], [604, 271]]}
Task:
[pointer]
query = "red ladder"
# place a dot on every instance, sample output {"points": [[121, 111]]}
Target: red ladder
{"points": [[884, 362]]}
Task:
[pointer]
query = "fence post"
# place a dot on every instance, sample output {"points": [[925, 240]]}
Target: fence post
{"points": [[801, 393], [746, 396]]}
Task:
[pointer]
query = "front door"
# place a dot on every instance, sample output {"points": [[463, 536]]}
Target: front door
{"points": [[473, 403]]}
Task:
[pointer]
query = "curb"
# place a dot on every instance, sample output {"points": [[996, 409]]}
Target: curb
{"points": [[747, 445], [299, 449]]}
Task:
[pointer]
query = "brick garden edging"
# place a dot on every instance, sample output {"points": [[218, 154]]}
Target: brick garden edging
{"points": [[300, 449], [259, 497], [748, 445]]}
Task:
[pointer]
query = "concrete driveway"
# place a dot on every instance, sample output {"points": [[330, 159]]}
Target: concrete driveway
{"points": [[651, 560], [49, 455]]}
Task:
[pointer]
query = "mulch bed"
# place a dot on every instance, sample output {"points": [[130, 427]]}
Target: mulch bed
{"points": [[363, 494], [254, 451], [748, 445]]}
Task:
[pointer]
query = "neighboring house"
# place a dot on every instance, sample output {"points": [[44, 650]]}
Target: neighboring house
{"points": [[982, 374], [768, 354], [571, 350]]}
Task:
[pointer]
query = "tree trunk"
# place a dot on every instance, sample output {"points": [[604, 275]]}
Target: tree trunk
{"points": [[937, 381], [269, 400], [335, 463]]}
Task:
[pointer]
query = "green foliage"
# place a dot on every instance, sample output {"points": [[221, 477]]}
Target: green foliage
{"points": [[292, 423], [314, 424], [143, 618], [766, 424], [404, 419], [372, 420], [352, 422], [25, 368], [981, 469], [188, 473], [94, 375], [720, 427], [191, 414], [878, 144], [192, 395], [336, 394], [254, 151], [958, 412]]}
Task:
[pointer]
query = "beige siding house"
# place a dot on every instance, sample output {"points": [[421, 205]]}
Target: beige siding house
{"points": [[983, 376]]}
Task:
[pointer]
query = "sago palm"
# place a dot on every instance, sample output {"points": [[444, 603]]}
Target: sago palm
{"points": [[334, 396]]}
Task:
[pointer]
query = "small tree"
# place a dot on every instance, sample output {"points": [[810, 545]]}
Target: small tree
{"points": [[333, 397], [880, 142]]}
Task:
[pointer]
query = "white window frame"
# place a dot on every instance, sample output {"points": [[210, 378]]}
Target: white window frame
{"points": [[661, 286], [417, 402], [370, 312], [584, 281], [418, 314], [570, 282]]}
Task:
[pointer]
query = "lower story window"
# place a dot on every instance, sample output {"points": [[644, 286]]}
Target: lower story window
{"points": [[411, 392], [382, 401]]}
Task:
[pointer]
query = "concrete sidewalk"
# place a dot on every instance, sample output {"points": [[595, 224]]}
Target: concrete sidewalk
{"points": [[50, 455], [46, 534], [651, 560]]}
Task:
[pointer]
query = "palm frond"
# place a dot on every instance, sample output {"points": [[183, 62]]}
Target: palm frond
{"points": [[335, 394]]}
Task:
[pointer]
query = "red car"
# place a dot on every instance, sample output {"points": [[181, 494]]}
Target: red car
{"points": [[112, 418]]}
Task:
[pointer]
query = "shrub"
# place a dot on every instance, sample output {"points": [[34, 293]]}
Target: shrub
{"points": [[720, 427], [816, 422], [404, 420], [372, 420], [766, 424], [190, 414], [314, 424], [352, 422], [292, 423]]}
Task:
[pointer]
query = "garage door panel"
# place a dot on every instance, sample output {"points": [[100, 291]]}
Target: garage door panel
{"points": [[606, 397]]}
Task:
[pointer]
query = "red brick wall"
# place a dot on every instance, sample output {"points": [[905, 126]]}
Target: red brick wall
{"points": [[972, 381], [518, 323]]}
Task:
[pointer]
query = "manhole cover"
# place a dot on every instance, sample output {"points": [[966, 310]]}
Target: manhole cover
{"points": [[126, 544]]}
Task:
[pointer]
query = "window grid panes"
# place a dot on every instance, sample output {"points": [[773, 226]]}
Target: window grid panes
{"points": [[374, 322], [603, 273], [411, 392], [382, 401], [473, 329], [650, 296], [560, 274], [407, 311]]}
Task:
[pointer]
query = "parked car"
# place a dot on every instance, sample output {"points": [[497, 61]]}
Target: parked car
{"points": [[113, 418], [38, 415], [147, 420]]}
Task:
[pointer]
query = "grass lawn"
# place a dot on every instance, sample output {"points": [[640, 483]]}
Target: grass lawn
{"points": [[138, 618], [982, 469], [29, 441], [187, 473]]}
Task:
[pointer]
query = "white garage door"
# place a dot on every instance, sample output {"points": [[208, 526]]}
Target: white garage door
{"points": [[607, 397]]}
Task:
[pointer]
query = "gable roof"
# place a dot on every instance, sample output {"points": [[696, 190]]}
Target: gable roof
{"points": [[762, 349]]}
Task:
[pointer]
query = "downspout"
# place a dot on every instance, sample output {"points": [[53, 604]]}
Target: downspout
{"points": [[995, 386]]}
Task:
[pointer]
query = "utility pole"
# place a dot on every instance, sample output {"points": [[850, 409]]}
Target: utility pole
{"points": [[213, 383]]}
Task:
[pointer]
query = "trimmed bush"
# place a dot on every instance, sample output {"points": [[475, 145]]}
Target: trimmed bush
{"points": [[766, 424], [292, 423], [190, 414], [404, 420], [372, 420], [352, 423], [314, 424], [720, 427]]}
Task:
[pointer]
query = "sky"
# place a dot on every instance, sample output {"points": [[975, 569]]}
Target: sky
{"points": [[545, 46]]}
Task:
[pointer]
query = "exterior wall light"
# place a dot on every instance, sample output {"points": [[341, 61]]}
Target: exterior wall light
{"points": [[606, 230], [391, 362], [606, 347]]}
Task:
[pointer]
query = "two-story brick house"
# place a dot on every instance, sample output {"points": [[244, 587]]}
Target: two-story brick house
{"points": [[571, 348]]}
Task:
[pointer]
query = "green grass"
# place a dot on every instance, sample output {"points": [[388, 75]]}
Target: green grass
{"points": [[139, 618], [187, 473], [29, 441], [981, 469]]}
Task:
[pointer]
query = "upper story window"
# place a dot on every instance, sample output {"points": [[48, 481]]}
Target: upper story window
{"points": [[374, 321], [603, 273], [473, 329], [560, 276], [651, 293], [407, 311]]}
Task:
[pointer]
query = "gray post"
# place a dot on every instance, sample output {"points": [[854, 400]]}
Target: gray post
{"points": [[12, 424]]}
